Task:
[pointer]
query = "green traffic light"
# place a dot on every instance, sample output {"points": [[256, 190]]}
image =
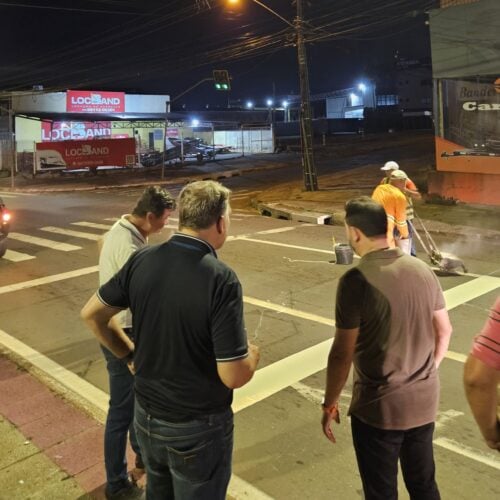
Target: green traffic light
{"points": [[218, 86]]}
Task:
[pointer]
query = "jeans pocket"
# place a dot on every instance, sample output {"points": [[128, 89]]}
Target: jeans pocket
{"points": [[195, 463]]}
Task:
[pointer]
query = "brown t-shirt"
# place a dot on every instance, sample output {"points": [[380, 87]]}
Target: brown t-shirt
{"points": [[391, 298]]}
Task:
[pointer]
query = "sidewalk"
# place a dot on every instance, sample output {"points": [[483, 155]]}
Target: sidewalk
{"points": [[49, 449]]}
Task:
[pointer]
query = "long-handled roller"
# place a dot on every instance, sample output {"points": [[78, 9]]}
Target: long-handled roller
{"points": [[444, 261]]}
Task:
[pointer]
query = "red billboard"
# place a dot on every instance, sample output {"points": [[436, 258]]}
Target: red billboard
{"points": [[85, 154], [91, 101]]}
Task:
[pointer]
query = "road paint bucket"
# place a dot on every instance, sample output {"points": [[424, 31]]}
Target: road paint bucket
{"points": [[343, 253]]}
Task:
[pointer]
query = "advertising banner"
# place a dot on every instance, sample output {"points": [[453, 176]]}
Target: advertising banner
{"points": [[470, 137], [67, 131], [172, 132], [90, 101], [85, 154]]}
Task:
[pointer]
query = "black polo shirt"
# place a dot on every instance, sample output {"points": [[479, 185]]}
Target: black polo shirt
{"points": [[188, 315]]}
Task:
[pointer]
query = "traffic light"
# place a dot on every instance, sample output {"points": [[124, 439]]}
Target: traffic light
{"points": [[222, 80]]}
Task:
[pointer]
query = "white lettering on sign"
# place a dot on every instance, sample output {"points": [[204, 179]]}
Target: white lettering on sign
{"points": [[86, 150], [485, 91], [64, 134], [481, 106], [95, 99]]}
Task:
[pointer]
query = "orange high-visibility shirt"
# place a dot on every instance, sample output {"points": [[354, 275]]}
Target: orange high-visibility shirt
{"points": [[394, 203]]}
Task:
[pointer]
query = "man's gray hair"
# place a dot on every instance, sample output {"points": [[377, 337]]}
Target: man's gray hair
{"points": [[201, 204]]}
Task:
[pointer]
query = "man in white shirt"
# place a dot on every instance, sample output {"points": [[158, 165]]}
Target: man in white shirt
{"points": [[128, 234]]}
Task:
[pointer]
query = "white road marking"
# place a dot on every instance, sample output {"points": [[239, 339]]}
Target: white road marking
{"points": [[112, 219], [238, 488], [7, 195], [70, 232], [281, 374], [47, 280], [93, 225], [14, 256], [285, 245], [42, 242], [451, 445], [289, 311], [443, 417], [471, 290], [277, 230], [15, 193], [244, 214], [456, 356]]}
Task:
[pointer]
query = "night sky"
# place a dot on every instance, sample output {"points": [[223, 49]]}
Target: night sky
{"points": [[162, 46]]}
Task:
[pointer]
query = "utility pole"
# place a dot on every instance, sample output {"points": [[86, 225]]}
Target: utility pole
{"points": [[306, 132]]}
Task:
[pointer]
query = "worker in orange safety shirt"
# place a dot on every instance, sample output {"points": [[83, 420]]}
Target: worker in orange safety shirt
{"points": [[391, 197]]}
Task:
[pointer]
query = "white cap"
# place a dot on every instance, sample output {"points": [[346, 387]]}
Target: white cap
{"points": [[398, 174], [390, 165]]}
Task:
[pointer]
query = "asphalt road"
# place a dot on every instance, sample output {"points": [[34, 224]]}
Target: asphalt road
{"points": [[289, 286]]}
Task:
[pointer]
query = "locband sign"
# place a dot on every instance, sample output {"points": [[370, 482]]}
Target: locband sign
{"points": [[90, 101]]}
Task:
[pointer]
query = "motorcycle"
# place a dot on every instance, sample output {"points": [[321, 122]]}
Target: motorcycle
{"points": [[4, 227]]}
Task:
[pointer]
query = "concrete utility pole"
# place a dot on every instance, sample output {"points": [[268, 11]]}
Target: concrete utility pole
{"points": [[306, 132]]}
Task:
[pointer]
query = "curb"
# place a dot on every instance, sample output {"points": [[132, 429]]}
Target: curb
{"points": [[279, 211], [336, 218], [179, 180]]}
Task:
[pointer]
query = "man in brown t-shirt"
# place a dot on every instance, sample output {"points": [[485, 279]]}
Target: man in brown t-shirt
{"points": [[392, 324]]}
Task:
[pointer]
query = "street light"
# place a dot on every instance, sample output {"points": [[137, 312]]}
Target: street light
{"points": [[362, 87], [195, 122], [249, 104], [269, 103], [306, 132]]}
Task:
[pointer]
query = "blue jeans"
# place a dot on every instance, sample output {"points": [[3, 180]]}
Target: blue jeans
{"points": [[119, 422], [186, 460]]}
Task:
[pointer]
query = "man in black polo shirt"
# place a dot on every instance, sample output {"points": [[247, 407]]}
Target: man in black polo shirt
{"points": [[392, 324], [190, 348]]}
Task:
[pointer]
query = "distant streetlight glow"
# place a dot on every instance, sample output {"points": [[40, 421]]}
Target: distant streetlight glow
{"points": [[249, 104], [269, 102], [195, 122], [362, 87], [284, 104]]}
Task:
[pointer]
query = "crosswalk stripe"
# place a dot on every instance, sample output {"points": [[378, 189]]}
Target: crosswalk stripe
{"points": [[275, 243], [287, 310], [14, 256], [469, 291], [93, 225], [277, 230], [46, 280], [12, 194], [42, 242], [69, 232]]}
